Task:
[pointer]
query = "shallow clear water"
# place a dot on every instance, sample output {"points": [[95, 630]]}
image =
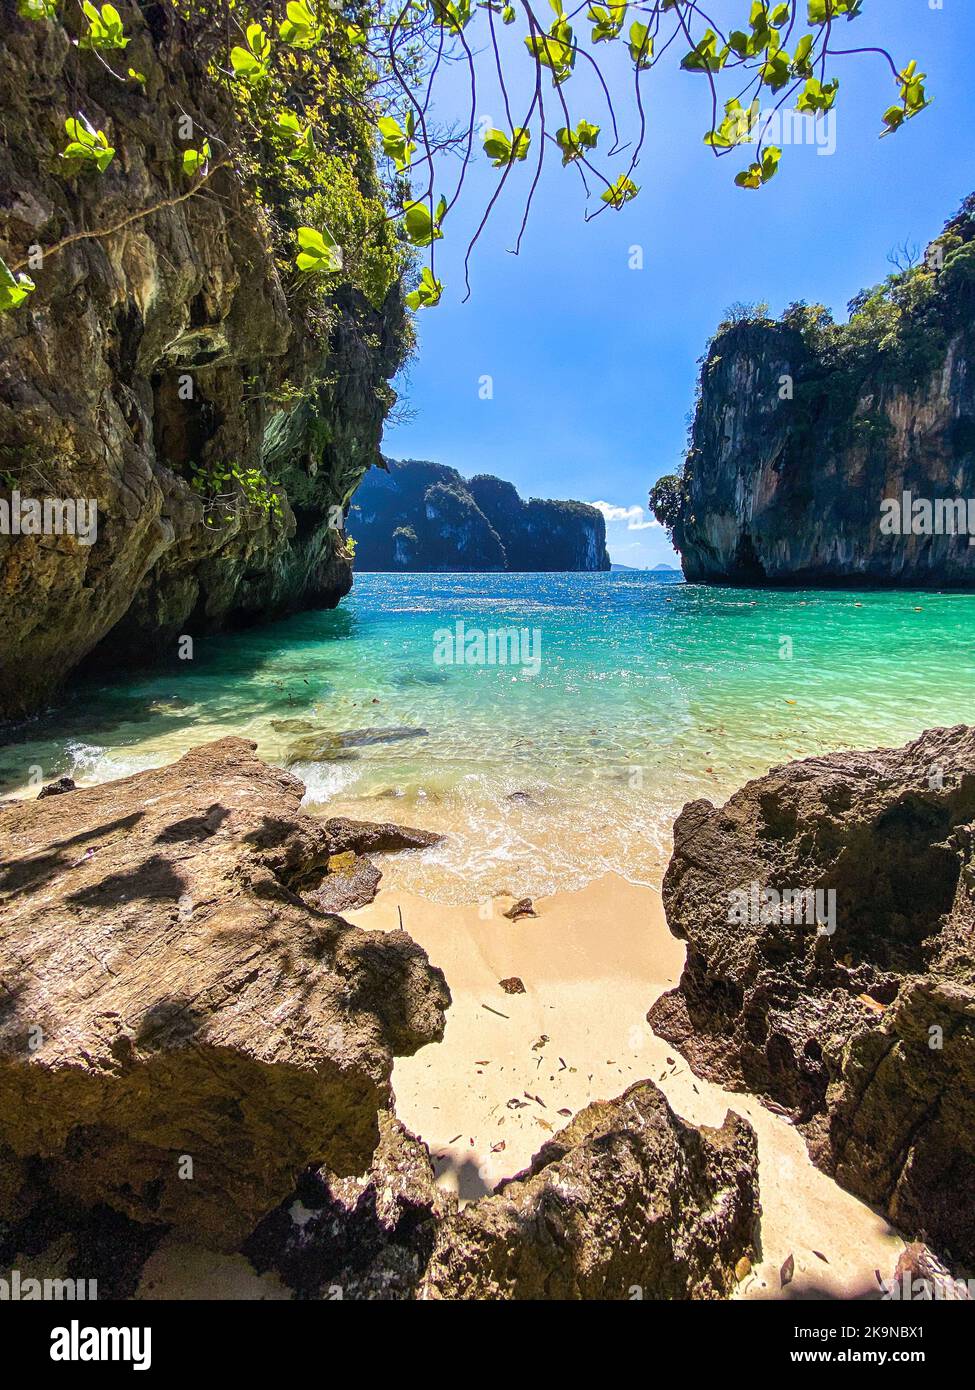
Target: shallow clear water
{"points": [[648, 694]]}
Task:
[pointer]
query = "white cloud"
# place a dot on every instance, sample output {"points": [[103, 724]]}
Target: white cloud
{"points": [[633, 516]]}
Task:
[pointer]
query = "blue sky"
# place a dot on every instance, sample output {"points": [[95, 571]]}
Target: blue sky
{"points": [[594, 364]]}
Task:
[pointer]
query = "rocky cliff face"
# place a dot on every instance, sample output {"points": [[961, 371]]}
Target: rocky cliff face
{"points": [[174, 348], [425, 516], [804, 427]]}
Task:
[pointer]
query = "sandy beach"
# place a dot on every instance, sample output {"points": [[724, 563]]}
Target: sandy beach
{"points": [[513, 1067]]}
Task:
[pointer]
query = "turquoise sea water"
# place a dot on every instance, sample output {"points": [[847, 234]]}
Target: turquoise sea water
{"points": [[647, 694]]}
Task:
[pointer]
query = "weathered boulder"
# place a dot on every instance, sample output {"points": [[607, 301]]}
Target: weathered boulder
{"points": [[181, 1032], [626, 1195], [367, 1237], [371, 837], [352, 879], [860, 1025]]}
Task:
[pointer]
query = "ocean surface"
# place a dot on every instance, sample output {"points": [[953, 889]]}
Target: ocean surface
{"points": [[622, 697]]}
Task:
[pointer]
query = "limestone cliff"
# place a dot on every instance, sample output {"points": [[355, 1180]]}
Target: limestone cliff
{"points": [[804, 428], [159, 363], [425, 516]]}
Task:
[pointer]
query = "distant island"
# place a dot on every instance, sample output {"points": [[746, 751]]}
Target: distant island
{"points": [[415, 515], [639, 569]]}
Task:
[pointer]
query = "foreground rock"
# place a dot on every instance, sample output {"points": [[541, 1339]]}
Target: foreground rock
{"points": [[181, 1033], [626, 1197], [862, 1028], [367, 1237], [352, 879]]}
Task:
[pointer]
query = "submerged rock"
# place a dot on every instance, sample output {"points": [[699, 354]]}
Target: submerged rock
{"points": [[58, 788], [181, 1032], [861, 1025], [319, 747]]}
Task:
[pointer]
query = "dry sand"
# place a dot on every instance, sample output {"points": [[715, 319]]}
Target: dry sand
{"points": [[513, 1067]]}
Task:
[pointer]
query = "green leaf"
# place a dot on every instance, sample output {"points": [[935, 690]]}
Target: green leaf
{"points": [[508, 14], [801, 65], [454, 17], [554, 50], [428, 292], [500, 150], [37, 9], [573, 142], [776, 71], [641, 45], [706, 56], [301, 28], [420, 228], [758, 174], [623, 191], [14, 289], [396, 141], [818, 97], [822, 11], [737, 126], [914, 99], [301, 140], [86, 145], [195, 160], [319, 253], [607, 21], [105, 29], [251, 63]]}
